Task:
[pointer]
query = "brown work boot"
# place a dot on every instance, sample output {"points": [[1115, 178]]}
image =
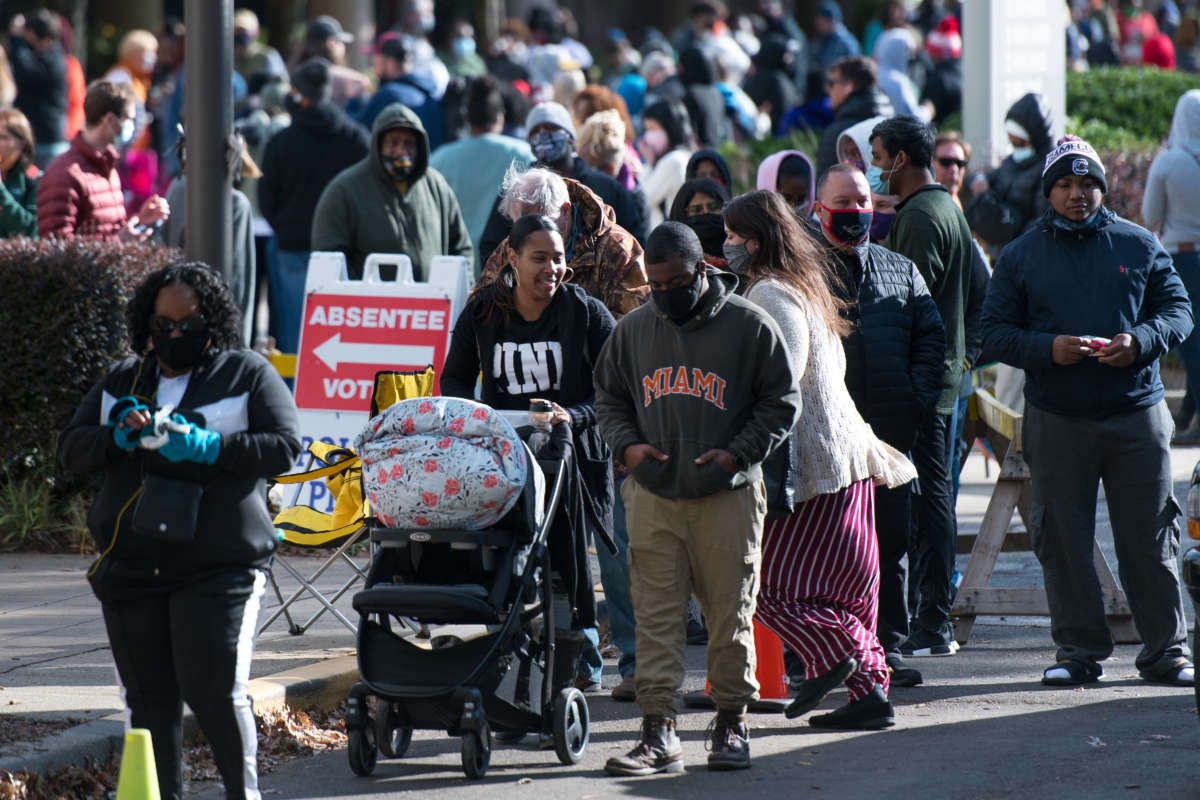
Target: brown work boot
{"points": [[657, 751], [729, 742]]}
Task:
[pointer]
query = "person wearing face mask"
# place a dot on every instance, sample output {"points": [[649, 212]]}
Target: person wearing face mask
{"points": [[137, 55], [666, 145], [820, 568], [1008, 201], [894, 353], [534, 335], [458, 50], [693, 390], [931, 231], [18, 176], [80, 193], [1094, 412], [854, 147], [392, 202], [790, 173], [249, 54], [698, 205], [551, 136], [398, 83], [181, 518], [297, 164]]}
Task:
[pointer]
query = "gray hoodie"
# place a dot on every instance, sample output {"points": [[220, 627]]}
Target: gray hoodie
{"points": [[721, 380], [1172, 196]]}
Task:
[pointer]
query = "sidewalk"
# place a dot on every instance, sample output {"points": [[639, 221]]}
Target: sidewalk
{"points": [[55, 661]]}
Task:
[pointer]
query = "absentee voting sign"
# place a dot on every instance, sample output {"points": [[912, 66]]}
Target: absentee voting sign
{"points": [[353, 329]]}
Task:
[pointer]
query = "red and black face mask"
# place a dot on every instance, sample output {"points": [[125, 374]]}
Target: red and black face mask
{"points": [[848, 226]]}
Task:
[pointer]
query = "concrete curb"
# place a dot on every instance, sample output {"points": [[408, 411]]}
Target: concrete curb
{"points": [[321, 685]]}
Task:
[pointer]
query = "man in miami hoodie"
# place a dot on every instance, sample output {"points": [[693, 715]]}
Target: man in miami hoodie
{"points": [[392, 201], [693, 390]]}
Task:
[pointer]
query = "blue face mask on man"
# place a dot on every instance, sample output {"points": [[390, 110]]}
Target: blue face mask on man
{"points": [[880, 180]]}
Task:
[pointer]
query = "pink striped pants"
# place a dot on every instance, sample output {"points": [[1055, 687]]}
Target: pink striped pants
{"points": [[820, 585]]}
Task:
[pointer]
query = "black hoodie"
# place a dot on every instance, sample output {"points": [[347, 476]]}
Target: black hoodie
{"points": [[721, 380], [708, 154], [299, 162]]}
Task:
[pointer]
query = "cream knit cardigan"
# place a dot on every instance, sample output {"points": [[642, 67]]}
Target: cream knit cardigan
{"points": [[833, 446]]}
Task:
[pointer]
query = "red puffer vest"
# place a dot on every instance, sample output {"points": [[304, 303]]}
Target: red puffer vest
{"points": [[80, 194]]}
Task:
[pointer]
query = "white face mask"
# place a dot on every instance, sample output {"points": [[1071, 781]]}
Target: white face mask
{"points": [[127, 129]]}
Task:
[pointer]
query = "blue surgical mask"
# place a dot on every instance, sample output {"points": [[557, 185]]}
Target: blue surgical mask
{"points": [[878, 179], [463, 47], [1022, 154]]}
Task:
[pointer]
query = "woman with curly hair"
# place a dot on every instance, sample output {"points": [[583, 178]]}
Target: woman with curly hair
{"points": [[820, 563], [184, 433]]}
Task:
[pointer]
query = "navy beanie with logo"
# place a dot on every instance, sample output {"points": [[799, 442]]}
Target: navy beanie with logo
{"points": [[1072, 156]]}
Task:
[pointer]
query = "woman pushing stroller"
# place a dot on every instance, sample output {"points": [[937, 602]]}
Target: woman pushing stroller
{"points": [[536, 336]]}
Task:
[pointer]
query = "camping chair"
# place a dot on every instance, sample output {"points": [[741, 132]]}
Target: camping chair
{"points": [[307, 528]]}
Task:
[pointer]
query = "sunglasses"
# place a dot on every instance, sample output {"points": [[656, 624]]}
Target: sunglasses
{"points": [[948, 162], [704, 208], [160, 324]]}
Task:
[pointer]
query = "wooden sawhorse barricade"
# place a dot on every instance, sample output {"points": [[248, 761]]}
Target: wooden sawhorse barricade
{"points": [[1000, 426]]}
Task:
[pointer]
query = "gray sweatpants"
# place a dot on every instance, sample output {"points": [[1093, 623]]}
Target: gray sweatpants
{"points": [[1130, 453]]}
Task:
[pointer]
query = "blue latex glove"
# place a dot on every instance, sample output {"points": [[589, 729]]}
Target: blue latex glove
{"points": [[125, 438], [197, 444]]}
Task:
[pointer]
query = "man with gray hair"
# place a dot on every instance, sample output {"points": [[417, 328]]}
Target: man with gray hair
{"points": [[552, 137], [607, 261]]}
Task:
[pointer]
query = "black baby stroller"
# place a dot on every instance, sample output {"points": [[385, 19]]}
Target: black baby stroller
{"points": [[513, 678]]}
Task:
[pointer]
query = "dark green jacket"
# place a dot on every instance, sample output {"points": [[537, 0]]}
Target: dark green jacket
{"points": [[721, 380], [931, 231], [18, 205], [363, 211]]}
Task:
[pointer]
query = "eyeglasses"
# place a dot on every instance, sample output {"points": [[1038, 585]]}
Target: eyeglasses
{"points": [[711, 207], [161, 324], [948, 162]]}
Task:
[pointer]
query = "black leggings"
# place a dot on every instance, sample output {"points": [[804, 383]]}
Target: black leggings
{"points": [[192, 640]]}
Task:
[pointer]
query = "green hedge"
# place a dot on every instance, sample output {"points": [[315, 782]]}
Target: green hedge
{"points": [[63, 307], [1139, 101]]}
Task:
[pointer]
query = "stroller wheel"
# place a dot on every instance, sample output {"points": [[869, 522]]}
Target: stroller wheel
{"points": [[570, 725], [393, 739], [477, 752], [362, 751]]}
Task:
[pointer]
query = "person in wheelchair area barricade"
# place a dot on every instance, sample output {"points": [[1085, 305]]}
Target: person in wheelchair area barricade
{"points": [[534, 335], [181, 515]]}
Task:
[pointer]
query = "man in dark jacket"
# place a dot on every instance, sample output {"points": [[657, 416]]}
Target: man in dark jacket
{"points": [[693, 390], [704, 101], [39, 69], [398, 83], [854, 97], [930, 230], [392, 202], [893, 371], [298, 163], [1095, 411], [831, 41], [1009, 201], [551, 135]]}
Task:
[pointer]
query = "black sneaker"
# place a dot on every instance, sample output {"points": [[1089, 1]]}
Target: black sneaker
{"points": [[813, 691], [924, 642], [697, 633], [728, 742], [902, 674], [871, 712], [657, 751]]}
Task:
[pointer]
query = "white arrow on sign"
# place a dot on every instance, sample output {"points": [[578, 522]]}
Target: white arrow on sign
{"points": [[334, 351]]}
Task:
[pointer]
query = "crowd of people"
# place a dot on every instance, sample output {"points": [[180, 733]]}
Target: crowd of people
{"points": [[768, 388]]}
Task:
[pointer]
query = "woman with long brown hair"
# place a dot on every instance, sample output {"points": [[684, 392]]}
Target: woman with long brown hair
{"points": [[18, 176], [820, 569]]}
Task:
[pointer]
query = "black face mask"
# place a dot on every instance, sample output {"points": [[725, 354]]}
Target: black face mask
{"points": [[180, 353], [710, 228], [848, 226], [678, 302]]}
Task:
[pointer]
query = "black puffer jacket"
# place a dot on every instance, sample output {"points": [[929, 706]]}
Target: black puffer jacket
{"points": [[861, 105], [235, 393], [299, 162], [894, 354], [1014, 200]]}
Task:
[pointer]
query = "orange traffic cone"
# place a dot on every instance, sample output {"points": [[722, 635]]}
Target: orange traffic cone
{"points": [[772, 685]]}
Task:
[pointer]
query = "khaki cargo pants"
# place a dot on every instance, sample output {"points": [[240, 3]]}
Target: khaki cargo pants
{"points": [[710, 545]]}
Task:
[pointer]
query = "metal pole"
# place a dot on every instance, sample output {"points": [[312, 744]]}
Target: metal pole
{"points": [[208, 121]]}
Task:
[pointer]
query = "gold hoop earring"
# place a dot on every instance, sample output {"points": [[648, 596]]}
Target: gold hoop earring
{"points": [[570, 273]]}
